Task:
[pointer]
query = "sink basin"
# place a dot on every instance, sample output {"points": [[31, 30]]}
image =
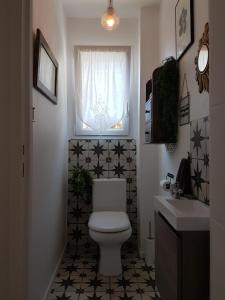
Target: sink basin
{"points": [[184, 214]]}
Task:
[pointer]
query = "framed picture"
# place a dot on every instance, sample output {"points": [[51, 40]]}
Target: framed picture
{"points": [[45, 69], [184, 22]]}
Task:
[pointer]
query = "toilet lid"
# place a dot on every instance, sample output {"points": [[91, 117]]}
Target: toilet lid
{"points": [[108, 221]]}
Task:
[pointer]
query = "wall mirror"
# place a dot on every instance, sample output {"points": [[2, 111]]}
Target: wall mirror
{"points": [[202, 61]]}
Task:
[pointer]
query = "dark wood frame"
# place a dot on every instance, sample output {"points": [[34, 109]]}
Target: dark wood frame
{"points": [[191, 29], [41, 42]]}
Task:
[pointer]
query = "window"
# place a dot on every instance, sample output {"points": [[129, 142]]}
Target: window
{"points": [[102, 90]]}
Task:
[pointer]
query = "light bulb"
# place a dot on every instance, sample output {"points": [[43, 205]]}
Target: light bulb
{"points": [[110, 20]]}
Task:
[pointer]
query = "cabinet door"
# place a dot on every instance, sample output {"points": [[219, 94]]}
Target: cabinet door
{"points": [[168, 250], [165, 103]]}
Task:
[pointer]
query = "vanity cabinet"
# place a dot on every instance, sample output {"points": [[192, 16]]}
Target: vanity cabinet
{"points": [[182, 262]]}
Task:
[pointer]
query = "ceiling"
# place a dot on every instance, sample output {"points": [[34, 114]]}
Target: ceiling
{"points": [[95, 8]]}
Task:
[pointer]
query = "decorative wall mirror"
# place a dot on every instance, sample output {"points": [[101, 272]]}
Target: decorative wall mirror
{"points": [[202, 61]]}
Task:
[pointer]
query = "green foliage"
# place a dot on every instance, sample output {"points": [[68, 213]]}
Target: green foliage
{"points": [[81, 183]]}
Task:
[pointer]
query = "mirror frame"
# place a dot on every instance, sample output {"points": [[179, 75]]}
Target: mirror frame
{"points": [[203, 77]]}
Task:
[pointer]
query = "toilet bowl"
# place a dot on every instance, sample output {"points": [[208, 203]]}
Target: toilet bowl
{"points": [[109, 224], [110, 239]]}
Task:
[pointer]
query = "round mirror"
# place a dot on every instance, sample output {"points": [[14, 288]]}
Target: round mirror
{"points": [[202, 61], [203, 58]]}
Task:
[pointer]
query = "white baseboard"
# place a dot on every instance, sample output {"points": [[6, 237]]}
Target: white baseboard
{"points": [[54, 273]]}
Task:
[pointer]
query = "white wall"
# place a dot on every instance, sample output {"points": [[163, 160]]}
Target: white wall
{"points": [[157, 42], [147, 164], [199, 102], [89, 32], [49, 197], [217, 113]]}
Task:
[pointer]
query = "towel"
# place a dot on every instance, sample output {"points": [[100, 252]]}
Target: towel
{"points": [[183, 179]]}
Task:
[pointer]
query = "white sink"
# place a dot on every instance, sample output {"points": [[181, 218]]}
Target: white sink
{"points": [[183, 214]]}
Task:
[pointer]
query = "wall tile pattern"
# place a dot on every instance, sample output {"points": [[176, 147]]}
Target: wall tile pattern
{"points": [[104, 159], [200, 159]]}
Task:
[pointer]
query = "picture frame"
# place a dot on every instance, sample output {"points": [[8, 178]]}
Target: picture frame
{"points": [[45, 69], [184, 26]]}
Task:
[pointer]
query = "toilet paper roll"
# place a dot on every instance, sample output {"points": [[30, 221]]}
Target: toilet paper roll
{"points": [[165, 184]]}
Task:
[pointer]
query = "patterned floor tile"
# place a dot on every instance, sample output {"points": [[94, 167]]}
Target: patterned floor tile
{"points": [[136, 275], [63, 296], [95, 296], [150, 296], [118, 296], [116, 287], [132, 296], [147, 287], [78, 279]]}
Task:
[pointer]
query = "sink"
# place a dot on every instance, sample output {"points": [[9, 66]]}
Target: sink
{"points": [[183, 214]]}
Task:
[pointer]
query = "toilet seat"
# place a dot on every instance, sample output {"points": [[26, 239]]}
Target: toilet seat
{"points": [[109, 221]]}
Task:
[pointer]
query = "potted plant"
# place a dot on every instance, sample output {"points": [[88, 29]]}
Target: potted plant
{"points": [[81, 182]]}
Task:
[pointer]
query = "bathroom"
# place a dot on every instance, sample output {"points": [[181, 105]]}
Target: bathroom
{"points": [[149, 163], [64, 258]]}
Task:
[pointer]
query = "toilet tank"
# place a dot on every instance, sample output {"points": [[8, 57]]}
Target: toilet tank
{"points": [[109, 194]]}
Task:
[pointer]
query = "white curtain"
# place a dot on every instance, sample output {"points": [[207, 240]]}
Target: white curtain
{"points": [[102, 81]]}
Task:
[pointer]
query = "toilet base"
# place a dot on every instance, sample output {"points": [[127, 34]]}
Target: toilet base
{"points": [[110, 245], [110, 261]]}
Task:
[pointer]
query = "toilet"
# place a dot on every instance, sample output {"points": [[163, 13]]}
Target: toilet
{"points": [[109, 224]]}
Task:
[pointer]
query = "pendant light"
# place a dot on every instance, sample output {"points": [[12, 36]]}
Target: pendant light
{"points": [[110, 20]]}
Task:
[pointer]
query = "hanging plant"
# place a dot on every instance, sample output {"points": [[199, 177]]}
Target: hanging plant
{"points": [[81, 183]]}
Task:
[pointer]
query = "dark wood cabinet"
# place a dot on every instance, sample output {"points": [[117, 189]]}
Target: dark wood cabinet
{"points": [[163, 94], [182, 262]]}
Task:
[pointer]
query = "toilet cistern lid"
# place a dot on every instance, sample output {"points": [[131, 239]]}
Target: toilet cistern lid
{"points": [[108, 221]]}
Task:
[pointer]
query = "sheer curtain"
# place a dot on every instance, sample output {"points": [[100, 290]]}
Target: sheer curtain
{"points": [[102, 82]]}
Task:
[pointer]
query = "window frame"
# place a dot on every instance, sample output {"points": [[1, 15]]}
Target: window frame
{"points": [[78, 126]]}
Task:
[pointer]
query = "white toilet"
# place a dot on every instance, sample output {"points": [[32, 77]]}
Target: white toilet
{"points": [[109, 225]]}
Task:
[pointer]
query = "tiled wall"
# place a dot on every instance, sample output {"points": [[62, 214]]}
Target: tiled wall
{"points": [[200, 158], [104, 159]]}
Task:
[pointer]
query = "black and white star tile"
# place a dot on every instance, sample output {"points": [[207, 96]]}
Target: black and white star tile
{"points": [[78, 279], [100, 156], [200, 158], [103, 158]]}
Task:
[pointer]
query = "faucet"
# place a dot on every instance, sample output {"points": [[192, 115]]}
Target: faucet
{"points": [[175, 191]]}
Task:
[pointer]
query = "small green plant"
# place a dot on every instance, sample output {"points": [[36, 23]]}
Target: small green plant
{"points": [[81, 183]]}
